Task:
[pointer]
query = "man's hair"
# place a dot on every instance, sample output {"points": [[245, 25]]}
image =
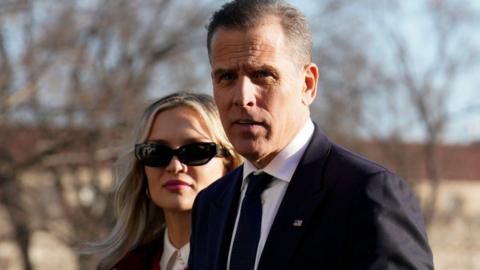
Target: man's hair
{"points": [[244, 14]]}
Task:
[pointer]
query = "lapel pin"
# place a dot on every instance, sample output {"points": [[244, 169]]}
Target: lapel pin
{"points": [[297, 223]]}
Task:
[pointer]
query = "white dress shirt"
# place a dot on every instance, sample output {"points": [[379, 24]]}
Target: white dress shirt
{"points": [[181, 255], [281, 168]]}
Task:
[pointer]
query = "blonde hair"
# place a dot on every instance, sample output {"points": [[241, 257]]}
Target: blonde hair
{"points": [[138, 219]]}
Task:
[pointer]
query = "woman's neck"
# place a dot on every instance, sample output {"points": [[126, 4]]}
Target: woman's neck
{"points": [[179, 227]]}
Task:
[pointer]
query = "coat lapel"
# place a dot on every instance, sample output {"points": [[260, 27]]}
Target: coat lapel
{"points": [[222, 215], [302, 197]]}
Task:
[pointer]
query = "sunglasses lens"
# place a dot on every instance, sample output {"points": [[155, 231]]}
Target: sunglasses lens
{"points": [[159, 155], [153, 155], [197, 153]]}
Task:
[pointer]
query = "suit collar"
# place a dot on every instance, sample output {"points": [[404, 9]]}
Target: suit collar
{"points": [[227, 194], [302, 197], [223, 213], [283, 165]]}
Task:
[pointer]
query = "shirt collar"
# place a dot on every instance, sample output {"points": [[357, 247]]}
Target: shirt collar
{"points": [[169, 248], [283, 165]]}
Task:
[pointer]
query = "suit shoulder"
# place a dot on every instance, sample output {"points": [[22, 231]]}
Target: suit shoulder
{"points": [[354, 172], [355, 163]]}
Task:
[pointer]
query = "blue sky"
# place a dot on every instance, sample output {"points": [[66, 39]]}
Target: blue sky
{"points": [[465, 97]]}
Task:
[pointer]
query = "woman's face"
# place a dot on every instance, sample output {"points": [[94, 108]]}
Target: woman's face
{"points": [[175, 186]]}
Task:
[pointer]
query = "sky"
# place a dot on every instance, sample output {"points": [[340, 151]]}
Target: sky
{"points": [[464, 99], [464, 102]]}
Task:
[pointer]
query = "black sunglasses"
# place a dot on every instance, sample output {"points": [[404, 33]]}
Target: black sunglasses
{"points": [[193, 154]]}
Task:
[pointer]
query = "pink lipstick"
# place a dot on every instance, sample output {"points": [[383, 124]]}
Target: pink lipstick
{"points": [[175, 185]]}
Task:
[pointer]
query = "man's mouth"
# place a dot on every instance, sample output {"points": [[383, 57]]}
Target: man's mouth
{"points": [[247, 122], [248, 126]]}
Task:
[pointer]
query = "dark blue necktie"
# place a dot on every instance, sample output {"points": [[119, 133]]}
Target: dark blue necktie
{"points": [[244, 249]]}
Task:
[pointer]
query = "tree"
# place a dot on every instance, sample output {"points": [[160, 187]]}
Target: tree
{"points": [[395, 65], [74, 77]]}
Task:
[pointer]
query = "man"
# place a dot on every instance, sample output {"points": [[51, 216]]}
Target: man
{"points": [[321, 206]]}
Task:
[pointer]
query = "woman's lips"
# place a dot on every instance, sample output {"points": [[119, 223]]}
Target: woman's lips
{"points": [[176, 185]]}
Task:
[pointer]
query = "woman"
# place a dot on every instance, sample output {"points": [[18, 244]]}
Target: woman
{"points": [[180, 148]]}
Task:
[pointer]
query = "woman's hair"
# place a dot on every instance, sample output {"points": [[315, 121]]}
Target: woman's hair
{"points": [[138, 219]]}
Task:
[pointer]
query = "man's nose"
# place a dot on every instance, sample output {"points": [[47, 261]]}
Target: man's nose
{"points": [[244, 92]]}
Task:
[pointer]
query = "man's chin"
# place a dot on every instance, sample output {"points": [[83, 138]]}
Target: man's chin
{"points": [[247, 149], [253, 154]]}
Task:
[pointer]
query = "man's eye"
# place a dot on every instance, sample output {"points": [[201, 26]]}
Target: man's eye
{"points": [[261, 74], [226, 77]]}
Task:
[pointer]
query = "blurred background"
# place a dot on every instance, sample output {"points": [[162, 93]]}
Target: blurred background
{"points": [[399, 83]]}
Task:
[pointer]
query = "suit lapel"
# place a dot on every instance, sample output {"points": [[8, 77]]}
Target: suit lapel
{"points": [[301, 199], [222, 217]]}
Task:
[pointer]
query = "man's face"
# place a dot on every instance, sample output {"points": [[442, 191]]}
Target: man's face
{"points": [[261, 92]]}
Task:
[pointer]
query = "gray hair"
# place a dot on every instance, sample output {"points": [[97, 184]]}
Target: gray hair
{"points": [[244, 14]]}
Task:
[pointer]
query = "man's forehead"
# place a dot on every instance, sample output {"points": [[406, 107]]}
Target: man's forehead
{"points": [[236, 46], [242, 51]]}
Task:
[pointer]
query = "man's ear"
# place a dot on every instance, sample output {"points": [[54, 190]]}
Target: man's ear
{"points": [[310, 84]]}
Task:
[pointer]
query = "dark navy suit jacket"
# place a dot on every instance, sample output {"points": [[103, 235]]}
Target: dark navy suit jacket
{"points": [[340, 211]]}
